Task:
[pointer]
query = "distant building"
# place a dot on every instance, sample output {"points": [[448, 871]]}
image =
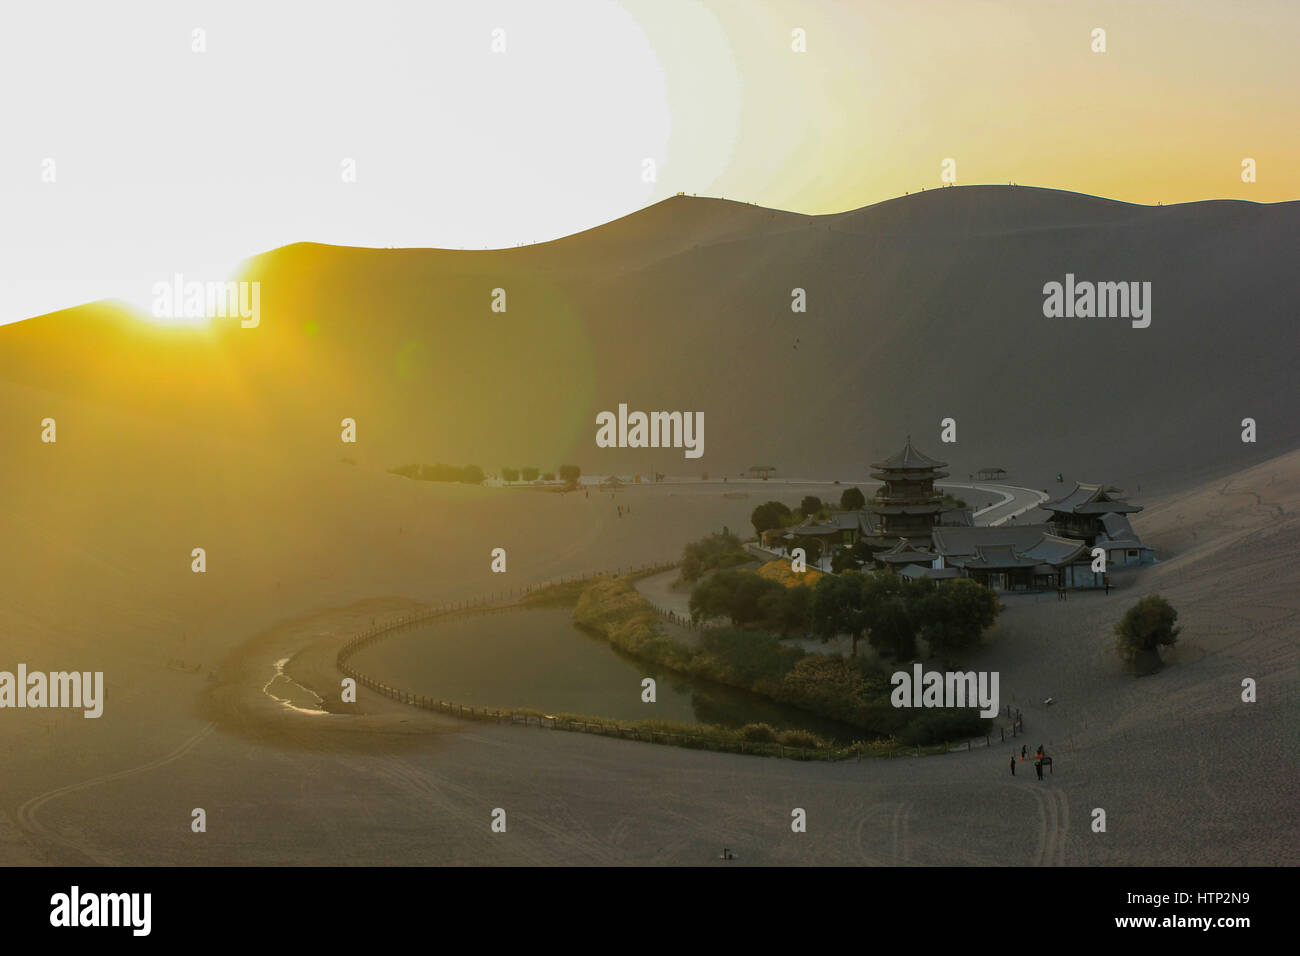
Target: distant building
{"points": [[909, 507], [1015, 557], [911, 532], [1079, 514]]}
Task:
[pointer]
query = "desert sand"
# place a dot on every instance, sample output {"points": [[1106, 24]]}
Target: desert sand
{"points": [[231, 444]]}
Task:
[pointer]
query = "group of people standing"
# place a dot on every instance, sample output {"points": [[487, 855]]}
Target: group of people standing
{"points": [[1038, 760]]}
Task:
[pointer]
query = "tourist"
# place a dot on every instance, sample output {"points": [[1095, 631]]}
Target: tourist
{"points": [[1038, 768], [1013, 765], [1024, 750]]}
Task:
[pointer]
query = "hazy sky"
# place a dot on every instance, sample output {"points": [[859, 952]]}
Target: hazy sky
{"points": [[166, 159]]}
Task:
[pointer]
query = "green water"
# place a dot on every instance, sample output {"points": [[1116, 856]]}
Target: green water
{"points": [[538, 659]]}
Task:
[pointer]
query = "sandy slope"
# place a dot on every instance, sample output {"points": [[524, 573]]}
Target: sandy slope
{"points": [[228, 440], [97, 577], [919, 308]]}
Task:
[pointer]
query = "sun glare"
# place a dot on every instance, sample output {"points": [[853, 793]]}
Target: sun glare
{"points": [[197, 299]]}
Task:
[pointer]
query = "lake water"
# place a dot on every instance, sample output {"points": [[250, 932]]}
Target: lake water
{"points": [[540, 660]]}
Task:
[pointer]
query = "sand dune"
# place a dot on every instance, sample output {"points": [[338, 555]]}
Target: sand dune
{"points": [[920, 308], [229, 441]]}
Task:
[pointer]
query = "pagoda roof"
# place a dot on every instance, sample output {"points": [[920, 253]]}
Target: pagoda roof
{"points": [[888, 509], [909, 459], [1090, 500], [892, 474]]}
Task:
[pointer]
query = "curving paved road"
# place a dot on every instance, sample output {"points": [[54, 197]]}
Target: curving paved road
{"points": [[1015, 501]]}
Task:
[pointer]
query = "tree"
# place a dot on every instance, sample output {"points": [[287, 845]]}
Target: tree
{"points": [[786, 609], [720, 550], [769, 515], [810, 505], [1146, 627], [570, 474], [845, 559], [837, 607], [742, 596], [813, 548], [890, 622], [528, 473], [509, 474], [893, 630], [549, 476], [955, 614], [852, 499], [472, 475]]}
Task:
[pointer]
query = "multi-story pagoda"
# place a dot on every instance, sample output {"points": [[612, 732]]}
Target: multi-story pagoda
{"points": [[909, 507]]}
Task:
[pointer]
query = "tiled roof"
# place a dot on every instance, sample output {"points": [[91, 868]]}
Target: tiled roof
{"points": [[909, 458]]}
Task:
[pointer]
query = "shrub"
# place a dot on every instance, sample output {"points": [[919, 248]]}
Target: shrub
{"points": [[758, 733], [940, 726], [1146, 627], [720, 550], [803, 739]]}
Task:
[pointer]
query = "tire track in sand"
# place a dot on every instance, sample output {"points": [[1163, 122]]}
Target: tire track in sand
{"points": [[27, 812]]}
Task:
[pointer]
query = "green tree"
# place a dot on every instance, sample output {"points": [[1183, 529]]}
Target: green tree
{"points": [[837, 607], [528, 473], [570, 474], [955, 614], [509, 474], [769, 515], [742, 596], [810, 505], [844, 560], [549, 476], [852, 499], [720, 550], [472, 475], [786, 610], [890, 622], [1146, 627], [813, 548]]}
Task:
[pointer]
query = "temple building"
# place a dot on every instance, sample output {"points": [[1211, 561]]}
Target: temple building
{"points": [[909, 507], [1080, 514], [910, 532]]}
